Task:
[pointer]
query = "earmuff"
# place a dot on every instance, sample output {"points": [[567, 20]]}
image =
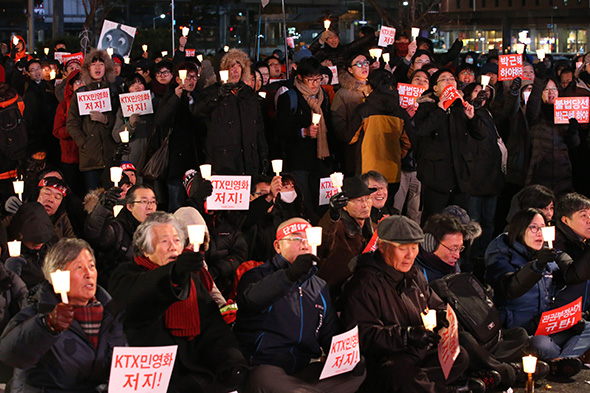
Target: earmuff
{"points": [[430, 243]]}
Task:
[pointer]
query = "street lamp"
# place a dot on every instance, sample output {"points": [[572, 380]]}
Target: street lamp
{"points": [[161, 16]]}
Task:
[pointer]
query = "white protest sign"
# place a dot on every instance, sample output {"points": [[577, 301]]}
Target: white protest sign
{"points": [[95, 100], [229, 193], [139, 102], [327, 189], [386, 36], [141, 369], [448, 347], [117, 36], [334, 70], [344, 354], [59, 56]]}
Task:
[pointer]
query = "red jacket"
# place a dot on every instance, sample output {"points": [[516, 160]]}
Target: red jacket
{"points": [[69, 149]]}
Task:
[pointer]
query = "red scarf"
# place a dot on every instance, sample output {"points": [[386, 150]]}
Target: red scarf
{"points": [[182, 317], [90, 319]]}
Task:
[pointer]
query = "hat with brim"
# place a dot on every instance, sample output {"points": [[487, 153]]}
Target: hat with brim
{"points": [[354, 187], [400, 229]]}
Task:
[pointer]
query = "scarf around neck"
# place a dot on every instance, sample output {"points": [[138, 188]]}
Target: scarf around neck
{"points": [[90, 318], [315, 103]]}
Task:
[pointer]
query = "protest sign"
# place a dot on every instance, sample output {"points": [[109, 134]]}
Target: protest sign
{"points": [[229, 193], [386, 36], [448, 346], [190, 52], [565, 108], [560, 319], [139, 102], [344, 354], [334, 70], [68, 57], [327, 189], [510, 67], [117, 36], [449, 96], [94, 100], [408, 94], [60, 55], [141, 369]]}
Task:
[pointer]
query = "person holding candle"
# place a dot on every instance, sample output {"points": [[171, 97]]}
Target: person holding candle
{"points": [[328, 45], [166, 304], [419, 59], [521, 271], [285, 317], [64, 347]]}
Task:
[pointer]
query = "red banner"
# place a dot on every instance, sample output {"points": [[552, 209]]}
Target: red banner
{"points": [[510, 67], [190, 52], [449, 96], [560, 319], [408, 94], [567, 107], [79, 56]]}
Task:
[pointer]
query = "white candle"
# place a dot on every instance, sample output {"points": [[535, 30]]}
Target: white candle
{"points": [[526, 95], [415, 32], [315, 118], [541, 54], [205, 171], [110, 51], [185, 31], [117, 209], [144, 47], [337, 180], [314, 238], [46, 51], [182, 75], [327, 24], [15, 40], [429, 319], [519, 48], [548, 235], [200, 58], [375, 53], [164, 53], [385, 57], [52, 74], [126, 59], [14, 248], [262, 94], [277, 166], [116, 175], [485, 81], [124, 135], [224, 76], [196, 235], [19, 187], [529, 364], [226, 48], [61, 283]]}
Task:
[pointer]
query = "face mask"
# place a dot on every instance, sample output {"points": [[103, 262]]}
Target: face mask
{"points": [[288, 196]]}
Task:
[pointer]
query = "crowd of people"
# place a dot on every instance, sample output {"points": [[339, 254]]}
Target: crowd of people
{"points": [[433, 195]]}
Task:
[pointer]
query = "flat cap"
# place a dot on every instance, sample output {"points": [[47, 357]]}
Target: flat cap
{"points": [[400, 229]]}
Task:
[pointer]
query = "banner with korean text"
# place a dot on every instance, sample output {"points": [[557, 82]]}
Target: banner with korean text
{"points": [[510, 67], [190, 52], [327, 189], [408, 94], [386, 36], [139, 102], [560, 319], [141, 369], [95, 100], [59, 56], [449, 96], [68, 57], [448, 346], [565, 108], [344, 354], [229, 193]]}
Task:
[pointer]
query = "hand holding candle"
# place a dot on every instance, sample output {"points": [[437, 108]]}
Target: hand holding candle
{"points": [[327, 24], [277, 166], [182, 75], [429, 319], [19, 187], [375, 53], [385, 57], [60, 279], [315, 119], [314, 238], [144, 47], [337, 180], [185, 31], [415, 33], [541, 54], [196, 235], [548, 235], [205, 171], [116, 175], [14, 248]]}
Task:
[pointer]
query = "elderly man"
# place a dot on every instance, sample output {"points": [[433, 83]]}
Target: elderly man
{"points": [[380, 209], [385, 298], [285, 318]]}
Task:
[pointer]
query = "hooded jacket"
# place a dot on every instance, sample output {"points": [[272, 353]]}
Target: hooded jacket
{"points": [[16, 54], [11, 98], [69, 149]]}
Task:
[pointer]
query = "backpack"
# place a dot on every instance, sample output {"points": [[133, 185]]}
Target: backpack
{"points": [[474, 307], [13, 133]]}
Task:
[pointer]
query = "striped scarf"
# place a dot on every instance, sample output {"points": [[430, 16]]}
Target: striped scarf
{"points": [[90, 318]]}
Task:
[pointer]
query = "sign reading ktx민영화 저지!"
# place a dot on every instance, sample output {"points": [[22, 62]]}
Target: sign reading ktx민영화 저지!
{"points": [[560, 319], [386, 36], [565, 108], [141, 369], [229, 193], [448, 346], [326, 190], [344, 354], [94, 100], [509, 67], [136, 103], [408, 94]]}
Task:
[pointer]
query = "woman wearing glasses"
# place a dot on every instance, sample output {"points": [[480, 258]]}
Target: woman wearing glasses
{"points": [[521, 273]]}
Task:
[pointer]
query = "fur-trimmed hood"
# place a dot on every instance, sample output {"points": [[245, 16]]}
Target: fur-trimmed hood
{"points": [[238, 56], [109, 70], [92, 199], [347, 81]]}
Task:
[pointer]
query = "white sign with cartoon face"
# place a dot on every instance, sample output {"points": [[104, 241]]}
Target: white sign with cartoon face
{"points": [[117, 36]]}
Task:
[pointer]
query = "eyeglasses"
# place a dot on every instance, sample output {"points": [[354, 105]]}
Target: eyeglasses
{"points": [[313, 80], [534, 228], [454, 249], [295, 240], [466, 72], [192, 77], [361, 64], [420, 61], [164, 73], [146, 203], [445, 80]]}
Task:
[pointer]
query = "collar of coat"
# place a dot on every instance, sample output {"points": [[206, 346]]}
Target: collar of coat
{"points": [[569, 234]]}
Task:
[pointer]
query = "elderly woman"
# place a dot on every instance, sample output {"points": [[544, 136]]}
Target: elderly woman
{"points": [[58, 347], [167, 305]]}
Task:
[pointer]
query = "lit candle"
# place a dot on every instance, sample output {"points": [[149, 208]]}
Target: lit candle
{"points": [[526, 95], [385, 57], [164, 53], [110, 51], [124, 135], [52, 74], [196, 235], [337, 180], [224, 76], [200, 58], [117, 209], [126, 59], [205, 171], [519, 48], [262, 94], [315, 118], [327, 24], [529, 364], [429, 319], [485, 81], [46, 51], [375, 53], [15, 40], [185, 31], [314, 238], [60, 279], [19, 187], [144, 47], [415, 32], [116, 175], [226, 48], [182, 75], [548, 235], [541, 54], [277, 166], [14, 248]]}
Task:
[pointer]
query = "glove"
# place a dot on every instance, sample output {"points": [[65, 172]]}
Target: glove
{"points": [[12, 204], [419, 337], [110, 197], [133, 120], [225, 89], [544, 256], [202, 191], [99, 117], [540, 70], [515, 86], [441, 320], [187, 262], [123, 149], [60, 318], [574, 125], [578, 328], [337, 202], [301, 266]]}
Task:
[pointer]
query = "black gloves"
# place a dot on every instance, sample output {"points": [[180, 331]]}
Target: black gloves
{"points": [[225, 89], [123, 149], [301, 266], [540, 70], [110, 197], [337, 202], [419, 337], [186, 262], [578, 328], [12, 204], [544, 256], [515, 86], [441, 320], [201, 191]]}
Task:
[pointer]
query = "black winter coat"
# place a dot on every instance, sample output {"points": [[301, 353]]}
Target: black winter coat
{"points": [[40, 107], [487, 177]]}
